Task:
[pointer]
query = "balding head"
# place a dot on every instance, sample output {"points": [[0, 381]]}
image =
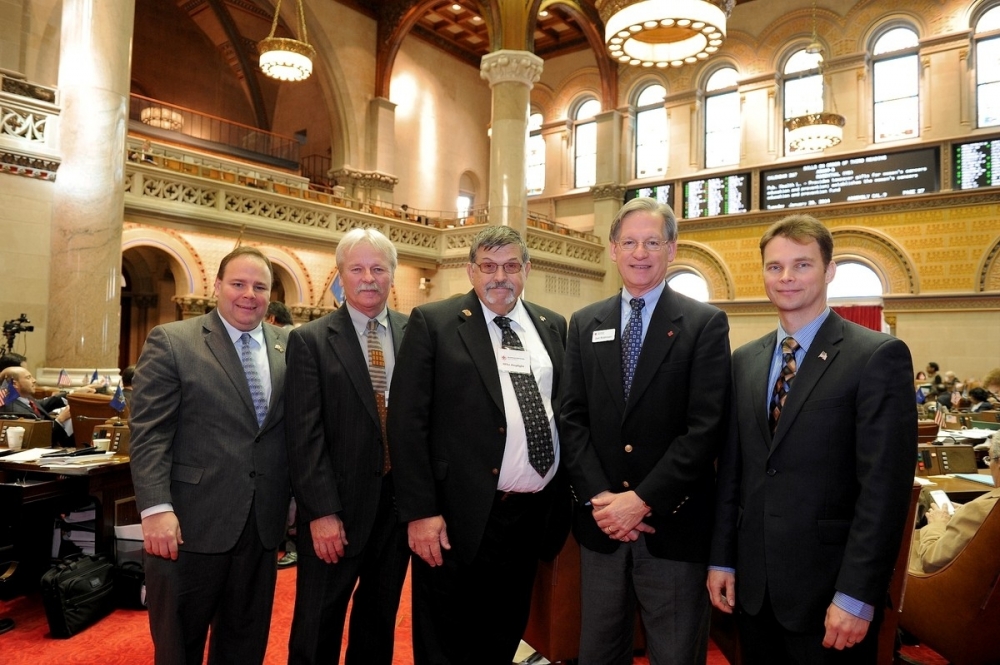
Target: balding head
{"points": [[22, 380]]}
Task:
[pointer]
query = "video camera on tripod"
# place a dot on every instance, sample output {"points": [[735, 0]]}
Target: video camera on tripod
{"points": [[12, 328]]}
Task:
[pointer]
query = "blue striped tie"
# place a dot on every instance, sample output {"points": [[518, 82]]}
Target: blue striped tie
{"points": [[253, 379]]}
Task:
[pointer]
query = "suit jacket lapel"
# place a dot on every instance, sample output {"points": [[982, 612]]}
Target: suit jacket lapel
{"points": [[221, 346], [664, 327], [609, 354], [760, 392], [276, 365], [397, 325], [550, 339], [822, 354], [472, 329], [344, 341]]}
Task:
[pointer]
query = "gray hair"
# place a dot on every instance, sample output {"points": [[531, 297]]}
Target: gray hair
{"points": [[652, 206], [494, 237], [372, 237]]}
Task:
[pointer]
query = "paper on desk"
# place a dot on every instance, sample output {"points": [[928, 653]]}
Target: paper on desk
{"points": [[976, 478], [981, 434], [922, 481], [29, 455]]}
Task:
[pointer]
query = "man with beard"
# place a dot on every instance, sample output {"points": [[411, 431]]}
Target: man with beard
{"points": [[475, 450]]}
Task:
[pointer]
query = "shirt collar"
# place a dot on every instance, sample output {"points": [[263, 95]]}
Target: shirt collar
{"points": [[234, 334], [650, 298], [518, 314], [807, 333], [360, 320]]}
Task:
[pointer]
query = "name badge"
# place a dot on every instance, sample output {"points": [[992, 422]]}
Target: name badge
{"points": [[515, 361], [603, 336]]}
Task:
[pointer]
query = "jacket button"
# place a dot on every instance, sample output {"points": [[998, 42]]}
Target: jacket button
{"points": [[772, 472], [495, 472], [253, 474], [628, 448], [625, 484], [502, 430]]}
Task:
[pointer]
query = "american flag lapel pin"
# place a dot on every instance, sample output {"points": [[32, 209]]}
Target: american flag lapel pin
{"points": [[279, 348], [542, 318], [822, 355], [466, 312]]}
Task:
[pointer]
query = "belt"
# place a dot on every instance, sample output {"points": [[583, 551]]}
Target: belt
{"points": [[511, 497]]}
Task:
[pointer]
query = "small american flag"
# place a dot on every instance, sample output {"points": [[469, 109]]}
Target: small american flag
{"points": [[939, 416], [64, 379], [8, 393]]}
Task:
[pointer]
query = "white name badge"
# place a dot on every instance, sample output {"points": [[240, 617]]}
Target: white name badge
{"points": [[515, 361], [603, 336]]}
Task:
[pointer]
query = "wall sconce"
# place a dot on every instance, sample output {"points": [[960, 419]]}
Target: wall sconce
{"points": [[425, 284]]}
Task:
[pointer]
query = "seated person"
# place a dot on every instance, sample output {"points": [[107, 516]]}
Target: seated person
{"points": [[992, 384], [979, 400], [944, 536], [53, 408]]}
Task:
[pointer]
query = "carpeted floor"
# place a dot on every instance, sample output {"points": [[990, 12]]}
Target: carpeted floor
{"points": [[123, 637]]}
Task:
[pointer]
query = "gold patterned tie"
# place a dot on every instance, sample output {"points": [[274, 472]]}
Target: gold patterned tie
{"points": [[784, 381], [376, 368]]}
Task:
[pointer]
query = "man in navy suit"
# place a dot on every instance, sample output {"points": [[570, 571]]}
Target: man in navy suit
{"points": [[210, 470], [476, 468], [349, 532], [644, 415], [814, 480]]}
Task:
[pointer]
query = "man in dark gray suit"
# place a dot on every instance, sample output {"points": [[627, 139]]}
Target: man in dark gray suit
{"points": [[336, 392], [210, 470], [814, 480], [644, 415]]}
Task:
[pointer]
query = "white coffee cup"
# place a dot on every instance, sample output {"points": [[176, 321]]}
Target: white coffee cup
{"points": [[102, 444], [15, 436]]}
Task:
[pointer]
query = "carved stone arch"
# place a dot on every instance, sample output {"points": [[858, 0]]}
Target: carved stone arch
{"points": [[188, 268], [640, 83], [289, 264], [585, 82], [989, 269], [703, 260], [880, 253], [543, 101]]}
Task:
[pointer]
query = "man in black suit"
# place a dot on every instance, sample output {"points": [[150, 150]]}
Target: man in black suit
{"points": [[52, 408], [814, 480], [210, 470], [644, 415], [334, 420], [472, 436]]}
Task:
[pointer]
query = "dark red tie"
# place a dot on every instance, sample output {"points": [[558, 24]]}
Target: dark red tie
{"points": [[34, 407]]}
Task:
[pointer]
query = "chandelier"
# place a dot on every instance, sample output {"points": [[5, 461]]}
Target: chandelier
{"points": [[663, 33], [286, 59], [813, 132], [162, 118]]}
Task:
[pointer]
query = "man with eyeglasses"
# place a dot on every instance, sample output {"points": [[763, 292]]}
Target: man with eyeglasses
{"points": [[475, 450], [644, 413], [946, 535]]}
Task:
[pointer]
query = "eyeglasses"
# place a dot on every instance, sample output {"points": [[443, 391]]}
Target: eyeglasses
{"points": [[990, 458], [629, 245], [511, 267]]}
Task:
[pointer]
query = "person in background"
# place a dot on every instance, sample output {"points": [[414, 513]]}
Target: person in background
{"points": [[992, 384], [54, 408], [814, 482], [934, 377], [645, 411], [279, 315], [475, 454], [352, 547], [210, 470], [946, 535], [979, 400]]}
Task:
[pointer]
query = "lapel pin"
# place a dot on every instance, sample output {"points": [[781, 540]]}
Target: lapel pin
{"points": [[670, 333], [466, 312], [279, 348], [822, 355], [542, 318]]}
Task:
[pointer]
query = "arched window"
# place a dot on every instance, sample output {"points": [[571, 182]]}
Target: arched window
{"points": [[651, 133], [535, 155], [722, 119], [854, 280], [896, 85], [585, 144], [690, 284], [803, 87], [988, 68]]}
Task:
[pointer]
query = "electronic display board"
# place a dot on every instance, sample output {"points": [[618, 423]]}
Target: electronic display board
{"points": [[976, 164], [721, 195], [661, 193], [848, 179]]}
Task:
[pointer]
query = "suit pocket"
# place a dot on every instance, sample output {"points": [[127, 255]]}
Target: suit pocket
{"points": [[677, 366], [824, 404], [440, 468], [186, 474], [833, 532]]}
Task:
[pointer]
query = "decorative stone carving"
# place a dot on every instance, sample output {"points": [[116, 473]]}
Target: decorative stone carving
{"points": [[608, 191], [364, 179], [192, 305], [507, 66]]}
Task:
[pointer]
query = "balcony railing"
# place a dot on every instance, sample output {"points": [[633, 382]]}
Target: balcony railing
{"points": [[186, 126]]}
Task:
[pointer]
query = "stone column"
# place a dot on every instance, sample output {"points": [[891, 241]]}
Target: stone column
{"points": [[511, 75], [381, 133], [607, 202], [89, 200]]}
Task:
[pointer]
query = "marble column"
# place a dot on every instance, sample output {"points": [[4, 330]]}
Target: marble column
{"points": [[608, 193], [511, 75], [89, 201], [381, 132]]}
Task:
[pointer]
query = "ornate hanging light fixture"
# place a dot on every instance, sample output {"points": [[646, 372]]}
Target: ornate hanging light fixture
{"points": [[663, 33], [813, 132], [283, 58]]}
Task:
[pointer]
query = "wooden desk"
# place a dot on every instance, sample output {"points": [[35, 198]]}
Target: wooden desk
{"points": [[959, 490], [30, 500]]}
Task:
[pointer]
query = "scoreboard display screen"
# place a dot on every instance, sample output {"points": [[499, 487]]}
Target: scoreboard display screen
{"points": [[976, 164], [722, 195]]}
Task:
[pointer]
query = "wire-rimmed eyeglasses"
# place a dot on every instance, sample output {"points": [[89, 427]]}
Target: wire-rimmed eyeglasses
{"points": [[511, 267]]}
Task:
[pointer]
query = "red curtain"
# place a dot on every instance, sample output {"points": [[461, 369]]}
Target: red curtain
{"points": [[869, 316]]}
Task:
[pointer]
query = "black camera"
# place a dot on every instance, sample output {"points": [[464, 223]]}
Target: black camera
{"points": [[13, 327]]}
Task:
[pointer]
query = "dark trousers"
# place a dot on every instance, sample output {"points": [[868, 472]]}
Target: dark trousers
{"points": [[322, 592], [233, 592], [475, 613], [764, 641]]}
